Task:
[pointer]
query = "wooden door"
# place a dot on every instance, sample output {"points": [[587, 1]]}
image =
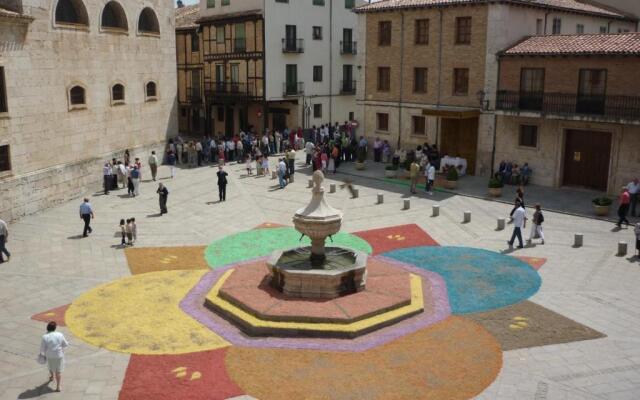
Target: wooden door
{"points": [[586, 159], [459, 138]]}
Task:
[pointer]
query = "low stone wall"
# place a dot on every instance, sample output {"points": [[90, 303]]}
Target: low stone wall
{"points": [[29, 193]]}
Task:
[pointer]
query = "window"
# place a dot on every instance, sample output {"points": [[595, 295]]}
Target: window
{"points": [[220, 34], [592, 82], [384, 33], [239, 41], [150, 91], [113, 16], [557, 26], [539, 26], [382, 122], [117, 94], [317, 111], [71, 12], [352, 116], [211, 3], [528, 136], [349, 4], [460, 81], [148, 22], [5, 161], [419, 125], [420, 80], [532, 80], [318, 2], [384, 79], [195, 42], [603, 29], [463, 30], [226, 2], [579, 29], [3, 93], [282, 1], [220, 113], [317, 33], [76, 96], [422, 31], [317, 73]]}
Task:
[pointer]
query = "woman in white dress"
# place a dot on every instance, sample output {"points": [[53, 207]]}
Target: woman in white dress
{"points": [[52, 347]]}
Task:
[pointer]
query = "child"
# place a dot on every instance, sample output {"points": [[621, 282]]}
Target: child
{"points": [[134, 229], [323, 159], [536, 226], [129, 230], [123, 232], [249, 166], [636, 230], [265, 165]]}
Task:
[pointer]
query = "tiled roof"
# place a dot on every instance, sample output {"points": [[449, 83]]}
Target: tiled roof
{"points": [[186, 17], [568, 5], [604, 44]]}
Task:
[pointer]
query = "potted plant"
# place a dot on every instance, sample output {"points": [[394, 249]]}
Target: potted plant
{"points": [[495, 187], [451, 181], [602, 205], [390, 171], [361, 157]]}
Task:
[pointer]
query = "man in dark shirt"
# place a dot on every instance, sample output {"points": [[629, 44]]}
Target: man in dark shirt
{"points": [[222, 184], [163, 194]]}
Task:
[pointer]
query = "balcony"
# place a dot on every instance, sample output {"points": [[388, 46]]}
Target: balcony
{"points": [[599, 107], [292, 88], [348, 48], [239, 45], [230, 89], [348, 87], [292, 45]]}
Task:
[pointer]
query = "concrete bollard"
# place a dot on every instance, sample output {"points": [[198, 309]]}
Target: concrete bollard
{"points": [[435, 210], [407, 204], [310, 183], [466, 217], [332, 188], [274, 174], [622, 248], [501, 224], [577, 240], [380, 198], [355, 193]]}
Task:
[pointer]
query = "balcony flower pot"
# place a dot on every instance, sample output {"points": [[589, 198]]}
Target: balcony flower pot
{"points": [[391, 171], [451, 180], [361, 157], [495, 187], [602, 206]]}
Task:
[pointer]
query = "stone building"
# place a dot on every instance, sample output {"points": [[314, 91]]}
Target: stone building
{"points": [[191, 121], [431, 66], [570, 106], [278, 63], [80, 82]]}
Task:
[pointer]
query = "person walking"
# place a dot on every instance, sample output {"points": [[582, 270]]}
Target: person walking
{"points": [[414, 170], [636, 230], [171, 160], [282, 171], [624, 200], [519, 200], [123, 232], [135, 179], [519, 223], [129, 231], [52, 349], [4, 237], [430, 175], [291, 159], [536, 225], [86, 214], [222, 184], [634, 192], [163, 194], [106, 177], [153, 165]]}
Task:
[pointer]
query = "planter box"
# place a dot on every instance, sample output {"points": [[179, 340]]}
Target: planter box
{"points": [[359, 166], [601, 211], [495, 192], [390, 173], [450, 184]]}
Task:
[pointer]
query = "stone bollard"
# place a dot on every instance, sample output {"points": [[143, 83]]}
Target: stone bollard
{"points": [[622, 248], [380, 198], [355, 193], [274, 174], [291, 178], [407, 204], [435, 210], [466, 217], [501, 224], [310, 183], [577, 240], [332, 188]]}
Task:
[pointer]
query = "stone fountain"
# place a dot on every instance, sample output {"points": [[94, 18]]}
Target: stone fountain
{"points": [[318, 271]]}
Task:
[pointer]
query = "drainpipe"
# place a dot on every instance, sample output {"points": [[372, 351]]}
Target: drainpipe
{"points": [[330, 62], [438, 120], [401, 77]]}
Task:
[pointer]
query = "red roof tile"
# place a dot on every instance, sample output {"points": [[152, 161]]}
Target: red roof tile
{"points": [[604, 44], [568, 5]]}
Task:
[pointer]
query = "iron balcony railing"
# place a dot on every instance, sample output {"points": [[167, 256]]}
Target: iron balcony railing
{"points": [[292, 45], [239, 45], [608, 107], [230, 89], [348, 87], [292, 88], [348, 47]]}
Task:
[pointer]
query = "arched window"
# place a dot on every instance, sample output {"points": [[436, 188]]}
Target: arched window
{"points": [[113, 16], [150, 91], [117, 93], [71, 12], [148, 22], [76, 96]]}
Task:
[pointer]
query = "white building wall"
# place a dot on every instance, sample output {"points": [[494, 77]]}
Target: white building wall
{"points": [[234, 6]]}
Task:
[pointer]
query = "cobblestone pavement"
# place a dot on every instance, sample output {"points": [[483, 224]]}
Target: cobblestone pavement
{"points": [[52, 265]]}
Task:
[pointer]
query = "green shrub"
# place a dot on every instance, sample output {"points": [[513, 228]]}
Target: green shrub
{"points": [[452, 173], [495, 183], [391, 167], [361, 154], [602, 201]]}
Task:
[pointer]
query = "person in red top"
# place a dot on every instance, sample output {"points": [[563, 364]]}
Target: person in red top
{"points": [[624, 200]]}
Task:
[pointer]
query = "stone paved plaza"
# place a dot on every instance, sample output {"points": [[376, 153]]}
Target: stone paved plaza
{"points": [[576, 337]]}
